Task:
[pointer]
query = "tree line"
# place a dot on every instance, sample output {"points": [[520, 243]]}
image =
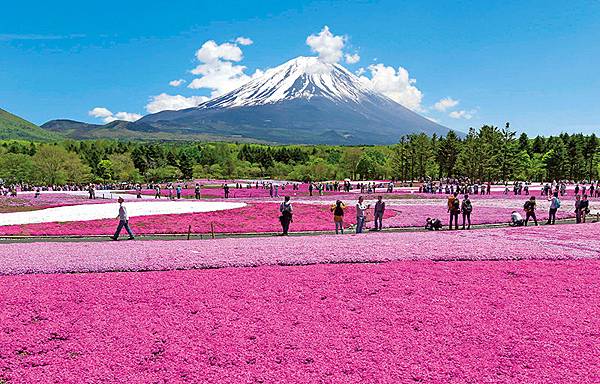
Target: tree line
{"points": [[487, 154]]}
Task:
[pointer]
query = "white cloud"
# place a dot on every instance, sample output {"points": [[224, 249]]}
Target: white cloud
{"points": [[107, 116], [127, 116], [218, 71], [244, 41], [326, 45], [360, 71], [432, 119], [352, 59], [100, 112], [395, 84], [211, 52], [462, 114], [165, 102], [176, 83], [445, 103]]}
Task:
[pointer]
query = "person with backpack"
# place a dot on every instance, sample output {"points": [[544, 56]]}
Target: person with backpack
{"points": [[286, 215], [466, 208], [453, 209], [529, 208], [338, 216], [554, 205], [379, 211]]}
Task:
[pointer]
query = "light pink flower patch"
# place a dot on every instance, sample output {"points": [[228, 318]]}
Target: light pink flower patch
{"points": [[557, 242]]}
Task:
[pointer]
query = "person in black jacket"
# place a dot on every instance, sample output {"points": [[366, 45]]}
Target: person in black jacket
{"points": [[466, 208]]}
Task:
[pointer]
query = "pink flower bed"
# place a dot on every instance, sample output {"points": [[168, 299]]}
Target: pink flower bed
{"points": [[569, 241], [467, 322], [254, 218], [27, 202]]}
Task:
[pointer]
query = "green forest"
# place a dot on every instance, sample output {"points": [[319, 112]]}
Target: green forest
{"points": [[486, 154]]}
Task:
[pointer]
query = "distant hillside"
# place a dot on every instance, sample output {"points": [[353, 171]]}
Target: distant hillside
{"points": [[124, 130], [15, 128]]}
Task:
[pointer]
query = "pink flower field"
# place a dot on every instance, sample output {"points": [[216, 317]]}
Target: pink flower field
{"points": [[27, 202], [254, 218], [400, 322], [509, 305], [559, 242]]}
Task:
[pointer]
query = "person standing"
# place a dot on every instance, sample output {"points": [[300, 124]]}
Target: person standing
{"points": [[453, 209], [529, 208], [361, 216], [138, 189], [123, 221], [577, 209], [338, 216], [226, 190], [466, 208], [310, 189], [178, 192], [379, 211], [197, 191], [554, 205], [157, 192], [286, 211], [584, 206]]}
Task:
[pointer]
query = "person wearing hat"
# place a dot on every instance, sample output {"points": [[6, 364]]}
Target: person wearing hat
{"points": [[123, 221]]}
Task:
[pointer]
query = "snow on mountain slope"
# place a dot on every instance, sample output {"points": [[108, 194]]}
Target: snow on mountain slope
{"points": [[301, 101], [302, 77]]}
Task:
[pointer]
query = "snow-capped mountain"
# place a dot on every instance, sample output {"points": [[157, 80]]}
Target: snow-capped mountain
{"points": [[300, 78], [301, 101]]}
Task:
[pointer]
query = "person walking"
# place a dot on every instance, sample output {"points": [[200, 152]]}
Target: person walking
{"points": [[123, 221], [157, 192], [554, 205], [529, 208], [453, 209], [466, 208], [197, 191], [138, 190], [286, 211], [379, 211], [338, 216]]}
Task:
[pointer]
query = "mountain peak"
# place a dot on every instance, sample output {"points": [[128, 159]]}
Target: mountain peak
{"points": [[303, 77], [304, 100]]}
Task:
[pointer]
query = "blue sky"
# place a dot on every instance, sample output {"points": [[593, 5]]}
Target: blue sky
{"points": [[534, 63]]}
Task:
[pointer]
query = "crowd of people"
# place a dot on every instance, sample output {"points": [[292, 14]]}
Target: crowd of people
{"points": [[459, 205]]}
